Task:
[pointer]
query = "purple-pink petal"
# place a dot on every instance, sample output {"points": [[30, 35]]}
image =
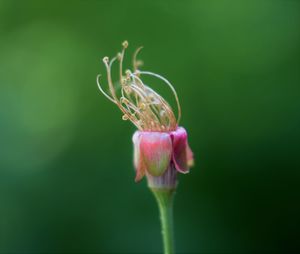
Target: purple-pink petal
{"points": [[156, 151], [181, 150]]}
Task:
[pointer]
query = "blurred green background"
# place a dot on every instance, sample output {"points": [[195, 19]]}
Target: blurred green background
{"points": [[66, 174]]}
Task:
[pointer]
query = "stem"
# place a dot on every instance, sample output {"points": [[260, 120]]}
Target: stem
{"points": [[164, 198]]}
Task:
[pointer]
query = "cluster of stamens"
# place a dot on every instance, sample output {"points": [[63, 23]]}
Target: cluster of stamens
{"points": [[140, 104]]}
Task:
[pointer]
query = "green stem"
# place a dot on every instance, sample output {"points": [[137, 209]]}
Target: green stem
{"points": [[164, 198]]}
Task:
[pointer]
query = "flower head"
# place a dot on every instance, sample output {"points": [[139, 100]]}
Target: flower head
{"points": [[160, 147]]}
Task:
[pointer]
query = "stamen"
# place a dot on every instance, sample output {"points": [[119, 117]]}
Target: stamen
{"points": [[136, 63], [125, 44], [112, 61], [125, 117], [171, 87], [128, 74], [140, 104], [101, 90], [110, 83], [157, 100], [119, 56], [105, 59], [162, 113], [124, 100], [140, 122]]}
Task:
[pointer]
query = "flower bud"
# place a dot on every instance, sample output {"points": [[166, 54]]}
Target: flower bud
{"points": [[160, 155]]}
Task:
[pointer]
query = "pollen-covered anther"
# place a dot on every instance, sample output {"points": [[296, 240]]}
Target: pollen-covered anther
{"points": [[150, 97], [125, 117], [125, 44], [142, 106], [162, 113], [119, 56], [105, 59], [124, 100], [128, 74]]}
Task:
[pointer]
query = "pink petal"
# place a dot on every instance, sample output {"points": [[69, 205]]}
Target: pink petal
{"points": [[181, 150], [156, 151], [137, 160]]}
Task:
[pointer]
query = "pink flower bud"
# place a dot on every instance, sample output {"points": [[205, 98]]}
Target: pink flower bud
{"points": [[157, 152], [160, 147]]}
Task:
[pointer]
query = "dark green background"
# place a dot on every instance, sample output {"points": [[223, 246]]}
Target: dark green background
{"points": [[66, 174]]}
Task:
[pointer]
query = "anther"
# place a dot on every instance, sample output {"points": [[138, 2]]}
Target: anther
{"points": [[124, 100], [151, 96], [119, 56], [105, 59], [128, 72], [125, 117], [162, 113], [142, 106], [125, 44]]}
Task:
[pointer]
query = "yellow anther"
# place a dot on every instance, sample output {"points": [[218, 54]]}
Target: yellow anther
{"points": [[105, 59], [142, 106], [128, 72], [125, 117], [119, 56], [151, 96], [162, 113], [124, 100], [125, 44]]}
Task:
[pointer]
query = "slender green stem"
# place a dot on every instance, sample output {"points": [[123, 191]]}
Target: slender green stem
{"points": [[164, 198]]}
